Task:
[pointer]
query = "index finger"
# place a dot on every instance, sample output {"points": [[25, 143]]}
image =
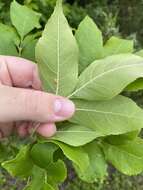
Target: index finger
{"points": [[21, 72]]}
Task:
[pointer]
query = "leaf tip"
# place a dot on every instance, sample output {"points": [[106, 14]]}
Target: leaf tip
{"points": [[59, 3]]}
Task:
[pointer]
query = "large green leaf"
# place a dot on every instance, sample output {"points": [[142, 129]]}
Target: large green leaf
{"points": [[116, 116], [90, 42], [22, 165], [90, 118], [78, 133], [57, 55], [23, 18], [127, 158], [8, 40], [97, 169], [76, 154], [106, 78], [117, 45]]}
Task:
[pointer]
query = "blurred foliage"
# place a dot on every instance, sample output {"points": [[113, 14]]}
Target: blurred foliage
{"points": [[118, 17], [113, 17], [4, 11], [107, 14]]}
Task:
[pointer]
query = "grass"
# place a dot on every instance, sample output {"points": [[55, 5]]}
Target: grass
{"points": [[115, 181]]}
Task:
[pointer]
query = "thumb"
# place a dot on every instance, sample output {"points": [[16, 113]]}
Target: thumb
{"points": [[26, 104]]}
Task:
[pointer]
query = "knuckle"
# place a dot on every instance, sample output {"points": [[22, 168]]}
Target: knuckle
{"points": [[32, 103], [38, 106]]}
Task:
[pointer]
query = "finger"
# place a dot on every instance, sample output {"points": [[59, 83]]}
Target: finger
{"points": [[6, 129], [23, 129], [17, 104], [4, 75], [19, 72], [47, 130]]}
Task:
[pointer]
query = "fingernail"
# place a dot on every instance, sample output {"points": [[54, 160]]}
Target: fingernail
{"points": [[64, 108]]}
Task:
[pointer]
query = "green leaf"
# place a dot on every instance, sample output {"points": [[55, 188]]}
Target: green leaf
{"points": [[90, 42], [28, 47], [76, 132], [120, 139], [52, 183], [137, 84], [8, 40], [57, 55], [20, 166], [38, 179], [76, 154], [139, 53], [23, 18], [42, 154], [127, 158], [4, 152], [48, 187], [116, 116], [117, 45], [57, 171], [97, 169], [106, 78]]}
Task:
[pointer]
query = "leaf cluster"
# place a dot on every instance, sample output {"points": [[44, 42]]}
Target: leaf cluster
{"points": [[93, 73]]}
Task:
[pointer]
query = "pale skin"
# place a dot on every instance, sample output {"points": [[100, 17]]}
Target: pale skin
{"points": [[23, 103]]}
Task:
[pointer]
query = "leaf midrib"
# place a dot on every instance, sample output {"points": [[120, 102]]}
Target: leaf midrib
{"points": [[106, 112], [58, 54]]}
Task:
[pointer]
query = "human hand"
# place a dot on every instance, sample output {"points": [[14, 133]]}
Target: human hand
{"points": [[22, 101]]}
